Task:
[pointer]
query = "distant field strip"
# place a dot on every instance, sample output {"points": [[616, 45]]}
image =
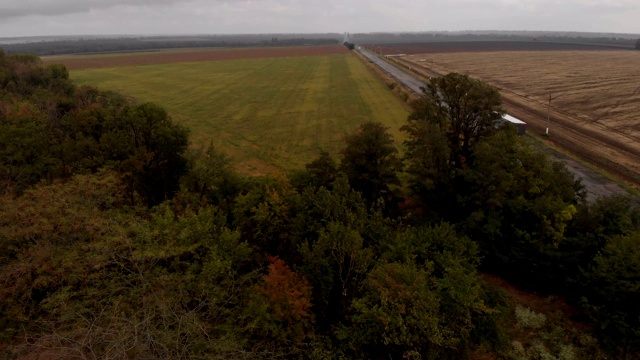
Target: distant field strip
{"points": [[271, 114], [79, 62]]}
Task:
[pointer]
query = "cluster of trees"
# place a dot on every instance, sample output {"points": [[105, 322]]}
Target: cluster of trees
{"points": [[118, 241], [349, 45], [50, 129]]}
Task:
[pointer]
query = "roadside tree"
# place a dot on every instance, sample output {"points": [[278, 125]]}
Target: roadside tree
{"points": [[517, 204], [452, 116], [464, 110]]}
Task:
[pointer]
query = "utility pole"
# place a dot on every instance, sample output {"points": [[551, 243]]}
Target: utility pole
{"points": [[549, 112], [548, 115]]}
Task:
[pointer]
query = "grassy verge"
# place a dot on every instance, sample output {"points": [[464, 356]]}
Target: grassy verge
{"points": [[542, 142]]}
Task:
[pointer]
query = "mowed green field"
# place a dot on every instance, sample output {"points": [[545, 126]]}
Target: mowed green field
{"points": [[270, 115]]}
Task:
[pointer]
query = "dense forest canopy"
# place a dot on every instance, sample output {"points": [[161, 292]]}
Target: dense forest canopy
{"points": [[118, 240]]}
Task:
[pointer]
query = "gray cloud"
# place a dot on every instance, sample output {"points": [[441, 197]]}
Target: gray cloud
{"points": [[72, 17], [21, 8]]}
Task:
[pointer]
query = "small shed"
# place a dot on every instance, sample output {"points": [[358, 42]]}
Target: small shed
{"points": [[521, 126]]}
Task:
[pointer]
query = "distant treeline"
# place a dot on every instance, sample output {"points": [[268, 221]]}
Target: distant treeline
{"points": [[100, 45], [91, 44], [617, 40]]}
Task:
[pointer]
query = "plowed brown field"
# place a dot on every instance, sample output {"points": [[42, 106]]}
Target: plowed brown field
{"points": [[483, 46], [166, 57], [595, 97]]}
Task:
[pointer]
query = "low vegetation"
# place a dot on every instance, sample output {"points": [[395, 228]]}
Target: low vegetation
{"points": [[529, 319], [118, 241]]}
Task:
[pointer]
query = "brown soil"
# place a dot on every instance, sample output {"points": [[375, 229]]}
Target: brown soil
{"points": [[483, 46], [165, 57]]}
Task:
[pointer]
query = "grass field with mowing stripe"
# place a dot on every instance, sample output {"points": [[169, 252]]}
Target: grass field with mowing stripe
{"points": [[270, 115]]}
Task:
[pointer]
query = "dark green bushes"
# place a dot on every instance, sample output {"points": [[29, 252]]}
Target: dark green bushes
{"points": [[118, 242]]}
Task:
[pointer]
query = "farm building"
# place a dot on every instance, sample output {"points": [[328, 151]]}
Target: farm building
{"points": [[521, 126]]}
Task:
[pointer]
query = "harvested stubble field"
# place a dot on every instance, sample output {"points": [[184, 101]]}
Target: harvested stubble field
{"points": [[270, 114], [482, 46], [595, 107]]}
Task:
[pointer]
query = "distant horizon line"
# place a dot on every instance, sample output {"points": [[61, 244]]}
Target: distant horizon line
{"points": [[322, 33]]}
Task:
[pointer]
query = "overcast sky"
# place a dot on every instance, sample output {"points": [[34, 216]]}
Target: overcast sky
{"points": [[110, 17]]}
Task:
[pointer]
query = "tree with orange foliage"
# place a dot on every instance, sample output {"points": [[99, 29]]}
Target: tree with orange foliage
{"points": [[287, 297]]}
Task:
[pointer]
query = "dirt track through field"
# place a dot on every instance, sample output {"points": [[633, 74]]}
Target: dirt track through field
{"points": [[166, 57]]}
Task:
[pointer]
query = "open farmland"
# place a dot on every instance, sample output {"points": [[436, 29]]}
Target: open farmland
{"points": [[485, 46], [595, 106], [78, 62], [270, 114]]}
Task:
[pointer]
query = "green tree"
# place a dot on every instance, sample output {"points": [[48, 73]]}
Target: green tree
{"points": [[338, 263], [613, 292], [5, 73], [454, 114], [156, 148], [24, 149], [451, 261], [397, 316], [421, 300], [518, 203], [427, 157], [591, 228], [263, 215], [465, 110], [322, 171], [314, 208], [371, 163], [209, 180], [33, 102]]}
